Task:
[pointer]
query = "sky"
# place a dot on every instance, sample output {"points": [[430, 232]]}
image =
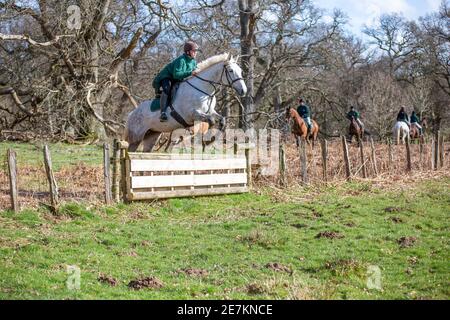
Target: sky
{"points": [[366, 12]]}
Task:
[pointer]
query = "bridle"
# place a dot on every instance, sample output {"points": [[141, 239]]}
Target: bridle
{"points": [[230, 81]]}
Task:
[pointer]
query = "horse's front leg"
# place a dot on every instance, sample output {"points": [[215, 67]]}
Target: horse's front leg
{"points": [[203, 117], [222, 119]]}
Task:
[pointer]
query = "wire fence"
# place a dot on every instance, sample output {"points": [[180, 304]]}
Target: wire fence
{"points": [[80, 176]]}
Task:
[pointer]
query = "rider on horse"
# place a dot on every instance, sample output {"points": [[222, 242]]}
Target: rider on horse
{"points": [[403, 116], [353, 114], [176, 71], [303, 111], [415, 120]]}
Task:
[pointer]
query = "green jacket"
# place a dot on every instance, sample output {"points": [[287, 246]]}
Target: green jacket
{"points": [[178, 70], [354, 114], [414, 118], [303, 111]]}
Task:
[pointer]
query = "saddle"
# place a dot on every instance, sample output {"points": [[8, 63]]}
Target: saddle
{"points": [[156, 103]]}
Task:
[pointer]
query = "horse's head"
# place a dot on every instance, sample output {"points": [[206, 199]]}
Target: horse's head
{"points": [[232, 76], [424, 123]]}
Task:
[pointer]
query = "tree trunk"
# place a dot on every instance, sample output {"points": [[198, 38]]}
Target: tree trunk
{"points": [[247, 23]]}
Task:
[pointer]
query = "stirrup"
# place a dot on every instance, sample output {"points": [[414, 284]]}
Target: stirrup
{"points": [[163, 117]]}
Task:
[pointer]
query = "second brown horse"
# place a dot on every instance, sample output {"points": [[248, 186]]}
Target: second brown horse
{"points": [[300, 128]]}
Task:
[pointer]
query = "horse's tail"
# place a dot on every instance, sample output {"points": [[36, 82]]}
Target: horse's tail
{"points": [[398, 129], [126, 132]]}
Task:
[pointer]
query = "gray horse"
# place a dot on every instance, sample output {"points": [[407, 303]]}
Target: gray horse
{"points": [[194, 101]]}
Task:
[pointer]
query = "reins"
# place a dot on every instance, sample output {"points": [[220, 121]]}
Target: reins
{"points": [[230, 81]]}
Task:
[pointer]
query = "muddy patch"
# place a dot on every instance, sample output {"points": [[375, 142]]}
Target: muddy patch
{"points": [[107, 280], [278, 267], [317, 214], [350, 224], [193, 272], [150, 282], [254, 288], [299, 225], [396, 220], [392, 209], [406, 242], [329, 235]]}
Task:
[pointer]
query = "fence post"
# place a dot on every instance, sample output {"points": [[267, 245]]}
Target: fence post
{"points": [[441, 151], [249, 165], [361, 152], [116, 171], [436, 151], [374, 157], [282, 165], [107, 174], [304, 169], [346, 158], [54, 197], [432, 153], [421, 151], [123, 172], [324, 146], [12, 172], [408, 154], [391, 160]]}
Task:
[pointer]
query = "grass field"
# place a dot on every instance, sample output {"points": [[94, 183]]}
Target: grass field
{"points": [[318, 243]]}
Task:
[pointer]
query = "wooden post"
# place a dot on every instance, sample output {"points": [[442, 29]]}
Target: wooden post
{"points": [[391, 160], [408, 154], [324, 147], [304, 169], [106, 174], [123, 172], [361, 153], [441, 151], [374, 157], [12, 172], [436, 151], [421, 151], [116, 171], [54, 196], [249, 166], [348, 173], [282, 166], [433, 146]]}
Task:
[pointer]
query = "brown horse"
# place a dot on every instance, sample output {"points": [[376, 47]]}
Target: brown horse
{"points": [[300, 128], [414, 132], [354, 130]]}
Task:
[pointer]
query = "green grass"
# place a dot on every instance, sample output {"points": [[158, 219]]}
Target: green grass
{"points": [[233, 238]]}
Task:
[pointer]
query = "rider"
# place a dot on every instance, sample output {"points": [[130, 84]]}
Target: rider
{"points": [[354, 114], [303, 111], [403, 116], [179, 69], [415, 120]]}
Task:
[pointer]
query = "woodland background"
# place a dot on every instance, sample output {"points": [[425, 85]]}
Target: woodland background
{"points": [[69, 76]]}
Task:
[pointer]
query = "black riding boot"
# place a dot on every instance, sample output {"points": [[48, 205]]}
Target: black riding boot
{"points": [[164, 104]]}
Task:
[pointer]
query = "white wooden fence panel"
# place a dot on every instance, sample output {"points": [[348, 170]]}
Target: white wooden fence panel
{"points": [[187, 165], [187, 180]]}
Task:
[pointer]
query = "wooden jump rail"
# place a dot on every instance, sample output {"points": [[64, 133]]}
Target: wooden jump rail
{"points": [[147, 176]]}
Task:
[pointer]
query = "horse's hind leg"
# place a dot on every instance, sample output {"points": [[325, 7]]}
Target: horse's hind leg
{"points": [[150, 140], [133, 146]]}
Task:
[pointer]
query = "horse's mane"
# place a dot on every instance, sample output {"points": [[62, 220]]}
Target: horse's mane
{"points": [[205, 64]]}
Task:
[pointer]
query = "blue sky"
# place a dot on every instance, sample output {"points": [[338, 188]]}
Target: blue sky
{"points": [[362, 12]]}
